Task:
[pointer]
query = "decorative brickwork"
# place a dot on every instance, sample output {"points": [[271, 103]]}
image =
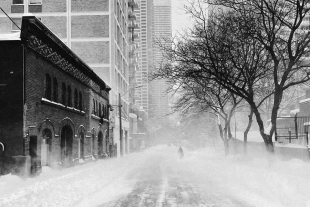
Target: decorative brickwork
{"points": [[43, 49]]}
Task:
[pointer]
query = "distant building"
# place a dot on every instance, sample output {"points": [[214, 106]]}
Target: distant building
{"points": [[53, 107], [145, 58], [162, 29]]}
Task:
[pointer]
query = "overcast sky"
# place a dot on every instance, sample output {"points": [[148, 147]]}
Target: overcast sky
{"points": [[179, 19]]}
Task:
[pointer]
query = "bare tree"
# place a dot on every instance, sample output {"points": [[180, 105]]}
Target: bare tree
{"points": [[276, 26], [200, 96]]}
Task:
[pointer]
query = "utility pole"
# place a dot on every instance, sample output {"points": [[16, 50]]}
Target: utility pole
{"points": [[120, 124]]}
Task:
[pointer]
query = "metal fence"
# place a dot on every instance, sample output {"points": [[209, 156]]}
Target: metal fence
{"points": [[292, 130]]}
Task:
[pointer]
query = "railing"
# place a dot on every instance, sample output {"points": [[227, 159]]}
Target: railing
{"points": [[293, 130]]}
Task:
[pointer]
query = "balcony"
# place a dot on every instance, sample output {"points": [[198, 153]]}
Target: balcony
{"points": [[133, 25], [131, 16], [136, 36], [133, 4]]}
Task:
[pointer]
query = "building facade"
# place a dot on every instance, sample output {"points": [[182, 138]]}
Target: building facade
{"points": [[145, 57], [54, 108], [95, 30], [162, 29]]}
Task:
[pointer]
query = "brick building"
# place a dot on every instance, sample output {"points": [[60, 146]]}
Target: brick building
{"points": [[99, 32], [53, 107]]}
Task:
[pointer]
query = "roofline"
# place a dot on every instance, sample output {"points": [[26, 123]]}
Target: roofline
{"points": [[37, 27]]}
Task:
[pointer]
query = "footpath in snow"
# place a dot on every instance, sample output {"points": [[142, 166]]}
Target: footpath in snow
{"points": [[251, 180]]}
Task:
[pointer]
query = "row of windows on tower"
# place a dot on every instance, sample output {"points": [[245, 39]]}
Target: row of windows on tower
{"points": [[51, 93]]}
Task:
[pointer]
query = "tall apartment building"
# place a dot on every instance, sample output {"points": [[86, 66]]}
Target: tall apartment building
{"points": [[145, 57], [97, 32], [158, 103]]}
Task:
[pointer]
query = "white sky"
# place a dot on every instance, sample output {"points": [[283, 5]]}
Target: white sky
{"points": [[179, 19]]}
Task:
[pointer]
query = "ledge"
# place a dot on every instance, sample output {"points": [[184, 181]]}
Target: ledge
{"points": [[45, 101], [93, 116]]}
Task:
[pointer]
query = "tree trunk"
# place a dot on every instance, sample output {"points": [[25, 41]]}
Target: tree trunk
{"points": [[267, 138], [268, 143], [220, 130], [223, 134], [245, 134], [229, 132], [226, 146]]}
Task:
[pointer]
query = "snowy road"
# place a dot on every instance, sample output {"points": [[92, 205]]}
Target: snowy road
{"points": [[165, 180], [157, 177]]}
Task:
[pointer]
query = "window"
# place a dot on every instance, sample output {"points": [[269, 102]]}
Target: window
{"points": [[69, 97], [103, 111], [99, 110], [107, 112], [48, 87], [18, 23], [63, 97], [18, 2], [55, 90], [80, 101], [94, 106], [76, 99], [35, 2]]}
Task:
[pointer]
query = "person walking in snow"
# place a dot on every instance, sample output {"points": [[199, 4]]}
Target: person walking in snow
{"points": [[181, 153]]}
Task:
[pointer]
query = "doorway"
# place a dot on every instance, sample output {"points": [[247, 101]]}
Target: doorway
{"points": [[66, 146], [100, 145], [81, 145], [46, 147]]}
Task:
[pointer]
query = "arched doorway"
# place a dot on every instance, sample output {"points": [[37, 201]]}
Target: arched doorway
{"points": [[105, 142], [46, 147], [81, 145], [66, 145], [93, 145], [100, 144]]}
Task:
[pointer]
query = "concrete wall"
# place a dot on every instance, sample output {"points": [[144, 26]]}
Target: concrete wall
{"points": [[90, 5], [92, 52]]}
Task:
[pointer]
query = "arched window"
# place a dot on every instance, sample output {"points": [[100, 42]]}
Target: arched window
{"points": [[99, 110], [96, 109], [76, 97], [103, 111], [63, 96], [69, 96], [94, 106], [107, 112], [48, 87], [80, 101], [55, 90]]}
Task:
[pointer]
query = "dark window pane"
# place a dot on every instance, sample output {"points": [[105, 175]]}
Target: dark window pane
{"points": [[18, 1], [48, 87]]}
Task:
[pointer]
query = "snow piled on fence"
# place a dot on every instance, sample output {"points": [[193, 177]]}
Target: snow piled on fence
{"points": [[258, 181]]}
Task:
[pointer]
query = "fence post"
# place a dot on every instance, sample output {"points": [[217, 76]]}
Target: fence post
{"points": [[296, 127], [289, 135], [307, 138]]}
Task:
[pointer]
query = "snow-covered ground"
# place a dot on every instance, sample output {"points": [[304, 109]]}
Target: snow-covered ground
{"points": [[252, 181], [253, 136]]}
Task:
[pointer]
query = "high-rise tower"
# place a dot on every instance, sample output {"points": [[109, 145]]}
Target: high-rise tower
{"points": [[158, 104], [144, 17]]}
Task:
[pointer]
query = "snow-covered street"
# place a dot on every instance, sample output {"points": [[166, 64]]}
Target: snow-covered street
{"points": [[157, 177]]}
